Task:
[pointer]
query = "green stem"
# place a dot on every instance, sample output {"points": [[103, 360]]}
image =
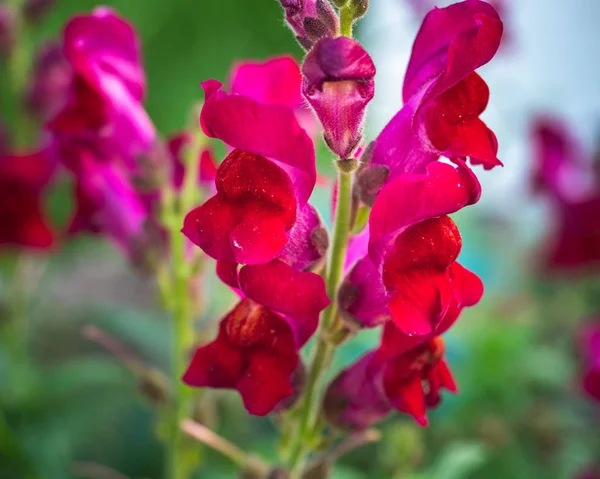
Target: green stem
{"points": [[177, 206], [346, 20], [19, 62], [324, 349]]}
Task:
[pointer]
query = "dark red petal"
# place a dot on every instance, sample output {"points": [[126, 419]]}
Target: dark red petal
{"points": [[416, 274], [264, 383], [219, 364], [227, 271], [210, 225], [247, 220], [406, 396], [452, 125], [300, 296]]}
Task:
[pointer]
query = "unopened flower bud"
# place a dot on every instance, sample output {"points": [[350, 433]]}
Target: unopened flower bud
{"points": [[310, 20], [369, 181], [358, 8], [36, 10], [338, 83]]}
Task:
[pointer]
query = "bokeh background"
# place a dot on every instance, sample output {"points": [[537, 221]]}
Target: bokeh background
{"points": [[520, 412]]}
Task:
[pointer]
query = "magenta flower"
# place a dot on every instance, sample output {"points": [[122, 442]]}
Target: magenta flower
{"points": [[310, 20], [570, 180], [256, 350], [394, 376], [23, 179], [338, 83], [276, 81], [106, 202], [443, 95], [590, 351], [108, 84], [261, 186]]}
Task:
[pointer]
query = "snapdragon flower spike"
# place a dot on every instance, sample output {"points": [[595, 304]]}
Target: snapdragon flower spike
{"points": [[443, 97], [567, 176], [261, 186], [22, 182], [108, 84], [338, 82], [311, 20], [391, 377], [256, 350], [276, 81], [590, 351], [412, 248]]}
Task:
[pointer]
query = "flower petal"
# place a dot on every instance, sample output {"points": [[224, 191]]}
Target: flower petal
{"points": [[300, 296], [452, 42], [267, 130]]}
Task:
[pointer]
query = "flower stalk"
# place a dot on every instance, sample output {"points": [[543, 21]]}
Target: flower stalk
{"points": [[324, 349], [175, 208]]}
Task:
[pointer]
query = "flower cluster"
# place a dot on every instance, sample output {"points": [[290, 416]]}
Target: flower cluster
{"points": [[259, 217], [401, 270], [406, 277], [572, 181]]}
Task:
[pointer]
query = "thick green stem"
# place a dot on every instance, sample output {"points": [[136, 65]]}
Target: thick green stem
{"points": [[324, 349], [346, 20]]}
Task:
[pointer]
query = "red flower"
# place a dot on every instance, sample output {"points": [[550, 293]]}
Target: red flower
{"points": [[394, 376], [443, 96], [22, 182], [256, 350], [261, 186]]}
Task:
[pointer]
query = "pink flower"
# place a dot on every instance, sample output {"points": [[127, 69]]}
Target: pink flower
{"points": [[394, 376], [108, 84], [444, 97], [276, 81], [338, 83], [310, 20], [570, 180], [261, 186], [256, 350], [23, 179]]}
